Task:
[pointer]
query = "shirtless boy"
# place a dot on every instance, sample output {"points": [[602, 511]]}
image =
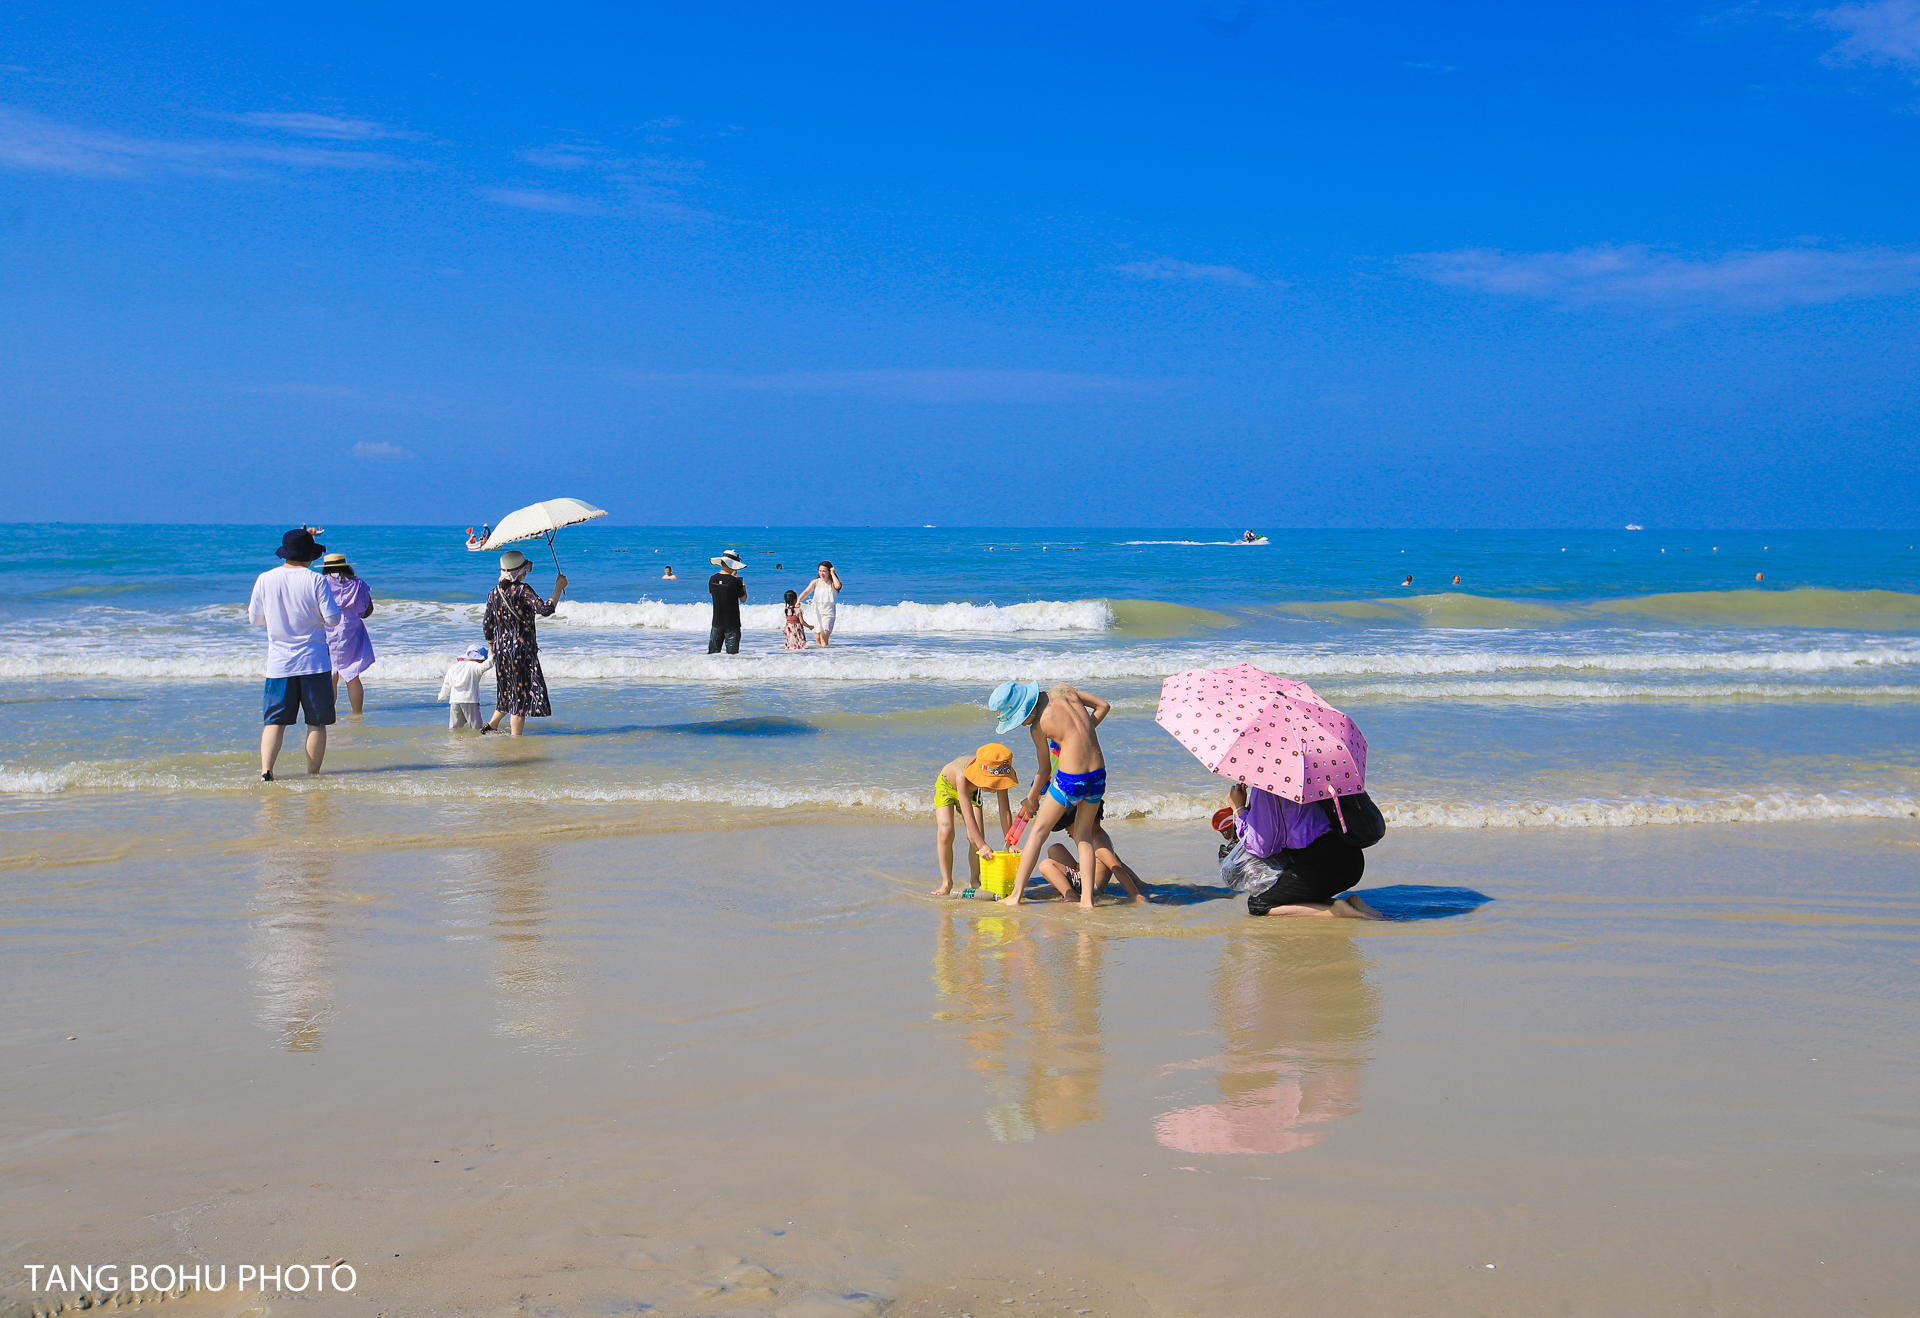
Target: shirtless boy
{"points": [[1062, 722], [957, 788]]}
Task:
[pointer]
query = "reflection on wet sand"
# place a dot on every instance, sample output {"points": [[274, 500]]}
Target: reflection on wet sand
{"points": [[291, 949], [535, 978], [1295, 1013], [1027, 1000]]}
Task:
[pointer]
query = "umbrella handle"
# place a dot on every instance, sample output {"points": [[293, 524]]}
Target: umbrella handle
{"points": [[556, 557]]}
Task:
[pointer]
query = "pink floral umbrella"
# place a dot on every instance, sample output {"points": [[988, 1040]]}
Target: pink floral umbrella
{"points": [[1270, 732]]}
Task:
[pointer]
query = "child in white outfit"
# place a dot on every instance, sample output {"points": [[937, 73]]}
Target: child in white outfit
{"points": [[461, 688]]}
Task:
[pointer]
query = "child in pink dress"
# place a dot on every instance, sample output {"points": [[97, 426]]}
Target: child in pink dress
{"points": [[796, 629]]}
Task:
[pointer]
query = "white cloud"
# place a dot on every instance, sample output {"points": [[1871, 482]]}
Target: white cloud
{"points": [[380, 450], [559, 157], [303, 124], [1166, 268], [537, 199], [1882, 32], [936, 385], [1639, 276], [28, 141], [626, 185]]}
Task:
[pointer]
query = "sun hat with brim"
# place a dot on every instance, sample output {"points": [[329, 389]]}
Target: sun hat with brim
{"points": [[477, 653], [299, 547], [992, 768], [512, 561], [729, 559], [335, 560], [1013, 702]]}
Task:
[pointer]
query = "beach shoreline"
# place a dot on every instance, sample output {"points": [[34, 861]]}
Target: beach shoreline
{"points": [[760, 1071]]}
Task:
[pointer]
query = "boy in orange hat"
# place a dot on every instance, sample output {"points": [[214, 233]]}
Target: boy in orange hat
{"points": [[958, 787]]}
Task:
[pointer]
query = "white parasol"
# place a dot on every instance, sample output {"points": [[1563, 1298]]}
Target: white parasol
{"points": [[539, 521]]}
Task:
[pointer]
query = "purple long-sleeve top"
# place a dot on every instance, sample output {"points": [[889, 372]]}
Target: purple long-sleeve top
{"points": [[1270, 823]]}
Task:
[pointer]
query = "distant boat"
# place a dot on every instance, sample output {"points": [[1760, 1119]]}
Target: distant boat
{"points": [[1635, 526]]}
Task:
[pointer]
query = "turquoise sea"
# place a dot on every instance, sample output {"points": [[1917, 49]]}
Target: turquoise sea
{"points": [[1619, 678]]}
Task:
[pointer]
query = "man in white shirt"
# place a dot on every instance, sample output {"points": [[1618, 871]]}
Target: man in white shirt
{"points": [[295, 605]]}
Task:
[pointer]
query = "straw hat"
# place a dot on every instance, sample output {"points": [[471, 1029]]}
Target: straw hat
{"points": [[728, 559]]}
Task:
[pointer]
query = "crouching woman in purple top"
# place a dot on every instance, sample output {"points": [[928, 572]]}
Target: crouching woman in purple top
{"points": [[1289, 861]]}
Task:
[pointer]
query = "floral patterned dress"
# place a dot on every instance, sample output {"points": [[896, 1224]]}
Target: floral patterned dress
{"points": [[516, 653], [796, 628]]}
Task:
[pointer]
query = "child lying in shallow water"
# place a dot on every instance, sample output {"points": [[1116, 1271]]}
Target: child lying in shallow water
{"points": [[1060, 868]]}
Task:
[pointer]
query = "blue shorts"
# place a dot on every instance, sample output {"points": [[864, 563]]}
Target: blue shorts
{"points": [[1073, 789], [288, 696]]}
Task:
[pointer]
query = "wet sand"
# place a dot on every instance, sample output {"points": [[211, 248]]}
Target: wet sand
{"points": [[758, 1071]]}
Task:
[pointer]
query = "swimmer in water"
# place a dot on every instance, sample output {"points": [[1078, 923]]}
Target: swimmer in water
{"points": [[668, 574], [1456, 579], [1409, 580]]}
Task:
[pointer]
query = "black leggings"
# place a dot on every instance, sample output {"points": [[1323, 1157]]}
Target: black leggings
{"points": [[1315, 874]]}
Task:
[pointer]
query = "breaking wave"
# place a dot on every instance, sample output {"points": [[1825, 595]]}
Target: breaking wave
{"points": [[856, 619], [1174, 807], [902, 664]]}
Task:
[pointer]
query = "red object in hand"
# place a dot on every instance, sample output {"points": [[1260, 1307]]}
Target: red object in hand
{"points": [[1221, 818], [1013, 834]]}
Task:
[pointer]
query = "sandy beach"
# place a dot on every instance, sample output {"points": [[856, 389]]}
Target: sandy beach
{"points": [[753, 1069]]}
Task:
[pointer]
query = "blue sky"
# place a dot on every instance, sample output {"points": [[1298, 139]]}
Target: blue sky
{"points": [[1170, 262]]}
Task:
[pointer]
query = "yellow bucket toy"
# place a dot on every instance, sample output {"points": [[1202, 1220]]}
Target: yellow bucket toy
{"points": [[996, 875]]}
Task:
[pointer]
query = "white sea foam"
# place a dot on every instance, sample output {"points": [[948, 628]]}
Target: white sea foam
{"points": [[904, 618], [648, 661], [1738, 808], [855, 619], [1733, 808]]}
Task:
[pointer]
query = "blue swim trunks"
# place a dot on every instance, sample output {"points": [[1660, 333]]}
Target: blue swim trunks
{"points": [[1072, 789]]}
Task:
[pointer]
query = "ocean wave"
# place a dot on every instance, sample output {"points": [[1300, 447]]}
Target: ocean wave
{"points": [[907, 617], [1843, 610], [855, 619], [870, 664], [1736, 808], [1553, 692], [1160, 807]]}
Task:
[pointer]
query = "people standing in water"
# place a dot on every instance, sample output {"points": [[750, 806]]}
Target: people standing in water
{"points": [[508, 624], [668, 574], [1073, 770], [348, 643], [794, 631], [825, 589], [957, 787], [729, 592], [460, 688], [296, 607]]}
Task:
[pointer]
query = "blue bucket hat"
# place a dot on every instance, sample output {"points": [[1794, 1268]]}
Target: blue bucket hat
{"points": [[1013, 702]]}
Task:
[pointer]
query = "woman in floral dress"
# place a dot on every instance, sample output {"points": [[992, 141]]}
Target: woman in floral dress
{"points": [[511, 609]]}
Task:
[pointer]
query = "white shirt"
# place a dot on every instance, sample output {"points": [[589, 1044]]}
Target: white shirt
{"points": [[461, 685], [294, 605]]}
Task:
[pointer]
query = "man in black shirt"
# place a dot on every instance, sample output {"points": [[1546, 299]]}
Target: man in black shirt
{"points": [[728, 592]]}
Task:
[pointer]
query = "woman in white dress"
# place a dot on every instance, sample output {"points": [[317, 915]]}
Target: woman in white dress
{"points": [[825, 590]]}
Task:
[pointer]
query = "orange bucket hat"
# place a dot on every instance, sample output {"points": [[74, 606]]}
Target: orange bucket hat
{"points": [[992, 768]]}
